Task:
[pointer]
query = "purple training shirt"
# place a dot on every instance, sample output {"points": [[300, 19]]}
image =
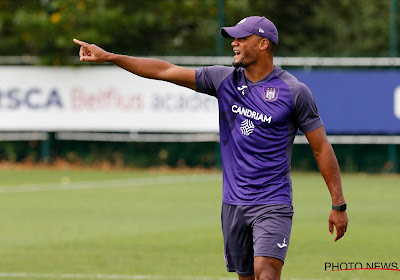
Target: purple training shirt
{"points": [[258, 122]]}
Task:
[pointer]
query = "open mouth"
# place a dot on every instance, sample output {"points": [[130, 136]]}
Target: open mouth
{"points": [[236, 52]]}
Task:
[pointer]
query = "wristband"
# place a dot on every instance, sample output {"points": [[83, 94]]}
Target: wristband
{"points": [[342, 207]]}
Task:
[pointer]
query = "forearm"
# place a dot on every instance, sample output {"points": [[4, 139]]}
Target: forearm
{"points": [[155, 69], [144, 67], [329, 168]]}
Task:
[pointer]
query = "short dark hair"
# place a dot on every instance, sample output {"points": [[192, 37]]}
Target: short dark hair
{"points": [[271, 47]]}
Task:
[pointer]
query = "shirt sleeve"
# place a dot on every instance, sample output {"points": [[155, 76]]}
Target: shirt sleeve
{"points": [[208, 79], [305, 110]]}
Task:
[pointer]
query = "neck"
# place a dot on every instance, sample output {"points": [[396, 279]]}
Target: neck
{"points": [[258, 71]]}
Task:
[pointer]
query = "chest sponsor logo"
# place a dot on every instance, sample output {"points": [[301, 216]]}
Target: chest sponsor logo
{"points": [[251, 114], [247, 127], [270, 94]]}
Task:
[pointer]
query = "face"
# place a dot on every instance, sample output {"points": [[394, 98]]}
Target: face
{"points": [[246, 51]]}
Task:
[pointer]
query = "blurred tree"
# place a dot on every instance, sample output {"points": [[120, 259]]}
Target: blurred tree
{"points": [[188, 27], [353, 28], [323, 27]]}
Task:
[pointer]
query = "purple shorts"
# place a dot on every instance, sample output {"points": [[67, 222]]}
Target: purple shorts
{"points": [[254, 231]]}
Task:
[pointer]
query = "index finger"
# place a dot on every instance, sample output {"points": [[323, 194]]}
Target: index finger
{"points": [[83, 44]]}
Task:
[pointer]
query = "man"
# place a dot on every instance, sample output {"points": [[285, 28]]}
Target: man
{"points": [[261, 107]]}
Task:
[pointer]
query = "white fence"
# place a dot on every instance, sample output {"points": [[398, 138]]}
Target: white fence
{"points": [[82, 103], [99, 99], [227, 60]]}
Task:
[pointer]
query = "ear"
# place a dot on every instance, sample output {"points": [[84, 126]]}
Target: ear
{"points": [[264, 43]]}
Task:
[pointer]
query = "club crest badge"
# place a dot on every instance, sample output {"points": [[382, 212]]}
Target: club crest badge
{"points": [[270, 94]]}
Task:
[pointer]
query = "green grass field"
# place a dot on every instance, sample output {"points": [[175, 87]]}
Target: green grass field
{"points": [[151, 225]]}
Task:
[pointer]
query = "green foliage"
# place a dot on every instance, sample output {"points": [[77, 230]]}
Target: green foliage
{"points": [[46, 28], [351, 158], [202, 155], [324, 27]]}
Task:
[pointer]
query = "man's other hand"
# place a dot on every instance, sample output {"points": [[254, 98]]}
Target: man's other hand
{"points": [[339, 220]]}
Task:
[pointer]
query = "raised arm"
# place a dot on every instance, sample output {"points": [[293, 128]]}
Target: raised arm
{"points": [[329, 168], [145, 67]]}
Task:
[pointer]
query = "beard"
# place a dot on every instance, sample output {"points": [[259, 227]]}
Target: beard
{"points": [[248, 58]]}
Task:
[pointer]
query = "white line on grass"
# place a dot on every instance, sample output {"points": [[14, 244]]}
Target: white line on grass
{"points": [[117, 277], [161, 180], [103, 276]]}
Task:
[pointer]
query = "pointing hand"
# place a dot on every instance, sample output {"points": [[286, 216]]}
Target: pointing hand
{"points": [[91, 52]]}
